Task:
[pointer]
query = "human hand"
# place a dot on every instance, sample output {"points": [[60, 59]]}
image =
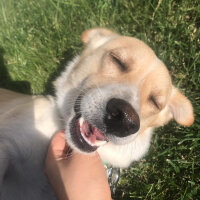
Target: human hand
{"points": [[75, 176]]}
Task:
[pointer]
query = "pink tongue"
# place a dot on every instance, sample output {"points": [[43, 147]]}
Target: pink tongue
{"points": [[98, 134], [91, 132], [92, 138]]}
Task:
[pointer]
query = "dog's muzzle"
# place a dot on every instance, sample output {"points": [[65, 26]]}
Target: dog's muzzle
{"points": [[120, 120]]}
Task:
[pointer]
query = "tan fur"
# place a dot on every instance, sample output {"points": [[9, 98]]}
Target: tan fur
{"points": [[146, 72]]}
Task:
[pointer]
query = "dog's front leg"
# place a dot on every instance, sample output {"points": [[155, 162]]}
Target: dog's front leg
{"points": [[4, 162]]}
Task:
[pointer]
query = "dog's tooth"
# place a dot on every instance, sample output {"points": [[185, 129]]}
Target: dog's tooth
{"points": [[88, 141], [82, 133], [99, 143], [81, 120]]}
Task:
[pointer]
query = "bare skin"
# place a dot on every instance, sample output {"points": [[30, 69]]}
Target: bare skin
{"points": [[75, 176]]}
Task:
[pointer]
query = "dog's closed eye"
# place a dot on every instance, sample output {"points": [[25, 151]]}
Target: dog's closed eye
{"points": [[122, 66], [154, 102]]}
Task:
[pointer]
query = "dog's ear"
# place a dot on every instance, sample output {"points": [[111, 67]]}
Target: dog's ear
{"points": [[96, 36], [181, 108]]}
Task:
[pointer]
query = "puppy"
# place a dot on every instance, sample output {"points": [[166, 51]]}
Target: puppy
{"points": [[109, 99]]}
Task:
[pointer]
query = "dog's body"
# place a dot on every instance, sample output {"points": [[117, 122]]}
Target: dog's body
{"points": [[109, 99]]}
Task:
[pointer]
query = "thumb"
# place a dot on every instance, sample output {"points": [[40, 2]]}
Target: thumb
{"points": [[58, 145]]}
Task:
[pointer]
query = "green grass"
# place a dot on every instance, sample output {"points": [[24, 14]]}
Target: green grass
{"points": [[37, 37]]}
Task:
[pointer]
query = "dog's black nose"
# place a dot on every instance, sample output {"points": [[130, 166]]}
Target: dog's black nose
{"points": [[121, 119]]}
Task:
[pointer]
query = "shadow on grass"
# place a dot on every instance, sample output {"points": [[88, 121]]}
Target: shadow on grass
{"points": [[7, 83], [67, 57], [24, 86]]}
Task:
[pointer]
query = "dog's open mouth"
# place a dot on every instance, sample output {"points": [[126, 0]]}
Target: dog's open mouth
{"points": [[86, 136], [91, 134]]}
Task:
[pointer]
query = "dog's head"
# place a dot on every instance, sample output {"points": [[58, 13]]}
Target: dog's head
{"points": [[115, 91]]}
